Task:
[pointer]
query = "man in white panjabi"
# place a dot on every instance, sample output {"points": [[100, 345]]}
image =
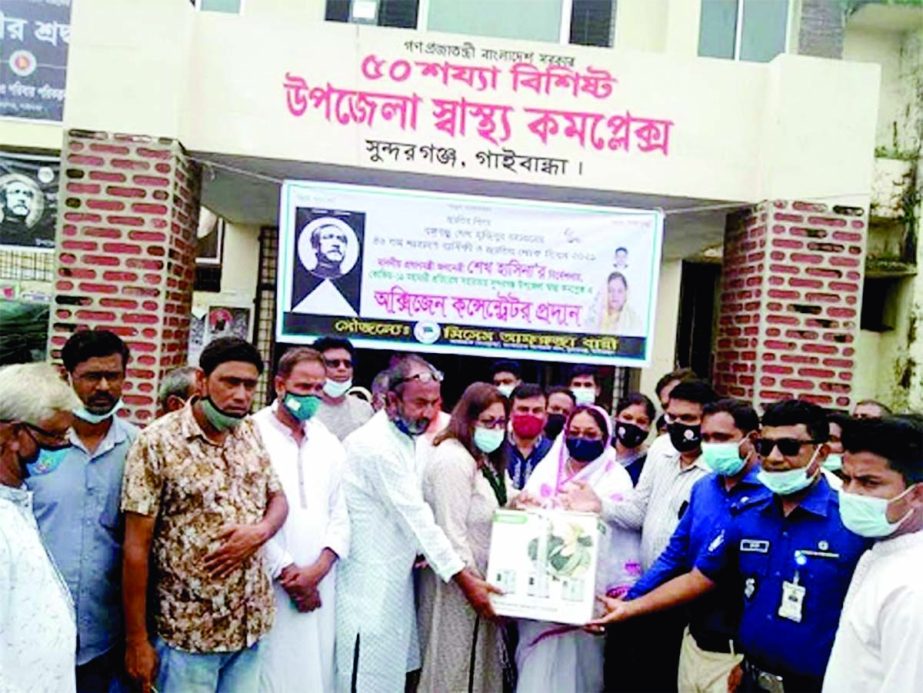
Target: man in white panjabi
{"points": [[298, 653], [879, 641], [390, 524], [38, 634]]}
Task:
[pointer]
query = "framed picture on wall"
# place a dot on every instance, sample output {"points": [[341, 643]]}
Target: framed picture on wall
{"points": [[209, 239]]}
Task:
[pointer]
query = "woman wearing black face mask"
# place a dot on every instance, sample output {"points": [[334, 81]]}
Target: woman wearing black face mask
{"points": [[550, 657], [633, 417]]}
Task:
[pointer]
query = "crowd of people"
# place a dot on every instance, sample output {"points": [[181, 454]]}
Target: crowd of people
{"points": [[338, 538]]}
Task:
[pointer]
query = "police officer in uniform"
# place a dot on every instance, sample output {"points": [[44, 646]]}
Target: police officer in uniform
{"points": [[790, 555]]}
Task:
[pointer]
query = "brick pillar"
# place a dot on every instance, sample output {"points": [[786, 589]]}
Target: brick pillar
{"points": [[790, 303], [125, 252]]}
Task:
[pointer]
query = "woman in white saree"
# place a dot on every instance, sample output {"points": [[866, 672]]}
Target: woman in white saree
{"points": [[554, 657]]}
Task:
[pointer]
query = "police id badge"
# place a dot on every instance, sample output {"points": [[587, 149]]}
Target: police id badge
{"points": [[792, 606]]}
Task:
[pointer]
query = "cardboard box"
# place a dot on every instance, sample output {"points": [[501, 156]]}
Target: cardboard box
{"points": [[545, 562]]}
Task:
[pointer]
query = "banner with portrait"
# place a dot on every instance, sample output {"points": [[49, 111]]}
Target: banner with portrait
{"points": [[28, 201], [443, 273]]}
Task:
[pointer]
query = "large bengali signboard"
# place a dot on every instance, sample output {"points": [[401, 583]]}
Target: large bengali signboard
{"points": [[454, 108], [34, 38], [421, 271]]}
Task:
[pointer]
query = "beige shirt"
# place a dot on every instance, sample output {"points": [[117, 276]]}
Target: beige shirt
{"points": [[195, 487]]}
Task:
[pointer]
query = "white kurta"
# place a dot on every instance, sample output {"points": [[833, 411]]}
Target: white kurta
{"points": [[38, 634], [390, 524], [879, 642], [298, 653]]}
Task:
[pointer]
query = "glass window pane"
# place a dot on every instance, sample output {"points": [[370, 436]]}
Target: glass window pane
{"points": [[537, 20], [765, 24], [592, 22], [398, 13], [337, 11], [232, 6], [718, 28]]}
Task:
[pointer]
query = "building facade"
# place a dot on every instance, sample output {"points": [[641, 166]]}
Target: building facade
{"points": [[786, 133]]}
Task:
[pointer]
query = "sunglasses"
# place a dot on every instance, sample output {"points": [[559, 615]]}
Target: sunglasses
{"points": [[789, 447], [422, 377], [337, 363], [492, 423]]}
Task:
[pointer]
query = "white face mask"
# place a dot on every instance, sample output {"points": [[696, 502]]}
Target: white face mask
{"points": [[584, 394], [88, 416], [506, 390], [335, 389]]}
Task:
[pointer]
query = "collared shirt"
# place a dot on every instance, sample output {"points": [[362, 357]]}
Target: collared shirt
{"points": [[519, 467], [77, 508], [811, 549], [658, 501], [195, 487], [716, 614], [879, 642], [38, 636]]}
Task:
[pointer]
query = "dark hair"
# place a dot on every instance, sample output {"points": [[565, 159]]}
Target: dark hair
{"points": [[745, 417], [293, 357], [227, 349], [506, 366], [899, 439], [327, 343], [633, 398], [560, 390], [680, 374], [791, 412], [88, 344], [842, 420], [582, 370], [474, 400], [527, 391], [621, 249], [886, 411], [617, 275], [602, 421], [696, 391]]}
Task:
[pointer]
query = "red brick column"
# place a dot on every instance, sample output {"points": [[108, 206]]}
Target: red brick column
{"points": [[790, 303], [125, 252]]}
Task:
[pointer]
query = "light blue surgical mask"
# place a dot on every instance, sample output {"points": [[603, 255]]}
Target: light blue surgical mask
{"points": [[834, 462], [302, 407], [86, 415], [789, 482], [867, 516], [48, 460], [584, 395], [488, 439], [335, 389], [723, 458]]}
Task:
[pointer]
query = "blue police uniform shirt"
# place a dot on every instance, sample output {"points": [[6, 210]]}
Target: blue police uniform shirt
{"points": [[519, 467], [76, 505], [811, 547], [716, 614]]}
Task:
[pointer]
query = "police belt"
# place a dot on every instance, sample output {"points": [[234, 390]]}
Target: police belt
{"points": [[762, 680]]}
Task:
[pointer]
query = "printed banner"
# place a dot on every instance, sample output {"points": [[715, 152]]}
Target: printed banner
{"points": [[441, 273], [34, 38], [28, 201]]}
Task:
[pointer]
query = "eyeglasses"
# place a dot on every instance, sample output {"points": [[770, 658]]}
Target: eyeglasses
{"points": [[789, 447], [337, 363], [422, 377], [59, 440], [492, 423]]}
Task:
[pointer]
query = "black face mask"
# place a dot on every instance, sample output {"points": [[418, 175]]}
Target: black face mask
{"points": [[630, 435], [555, 425], [685, 438]]}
